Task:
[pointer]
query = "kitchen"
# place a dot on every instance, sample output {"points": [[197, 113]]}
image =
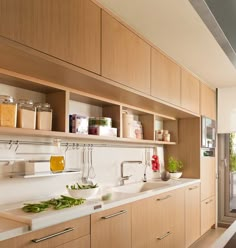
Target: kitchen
{"points": [[94, 64]]}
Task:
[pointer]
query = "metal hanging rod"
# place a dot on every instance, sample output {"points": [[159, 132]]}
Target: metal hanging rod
{"points": [[73, 145]]}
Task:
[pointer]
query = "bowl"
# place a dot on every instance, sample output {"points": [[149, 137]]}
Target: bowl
{"points": [[175, 175], [83, 193]]}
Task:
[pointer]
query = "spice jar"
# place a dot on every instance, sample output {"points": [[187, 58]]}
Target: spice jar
{"points": [[44, 116], [26, 114], [8, 111]]}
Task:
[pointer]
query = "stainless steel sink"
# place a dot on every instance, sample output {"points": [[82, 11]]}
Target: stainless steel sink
{"points": [[140, 187]]}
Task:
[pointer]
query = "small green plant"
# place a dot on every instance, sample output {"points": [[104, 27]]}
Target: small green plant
{"points": [[174, 165]]}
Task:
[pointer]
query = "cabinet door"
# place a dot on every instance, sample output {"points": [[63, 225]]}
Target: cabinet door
{"points": [[83, 242], [208, 177], [192, 214], [160, 220], [125, 57], [190, 92], [165, 78], [68, 30], [208, 102], [140, 229], [111, 228], [64, 232], [207, 214]]}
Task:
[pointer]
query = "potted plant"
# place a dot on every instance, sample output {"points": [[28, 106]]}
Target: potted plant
{"points": [[174, 166]]}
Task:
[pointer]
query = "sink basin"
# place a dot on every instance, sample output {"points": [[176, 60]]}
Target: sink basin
{"points": [[140, 187]]}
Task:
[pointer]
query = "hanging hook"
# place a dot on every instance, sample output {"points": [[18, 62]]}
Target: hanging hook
{"points": [[17, 145], [10, 144], [67, 147]]}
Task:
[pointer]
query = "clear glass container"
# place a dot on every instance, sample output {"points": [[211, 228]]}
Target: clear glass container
{"points": [[57, 160], [44, 116], [26, 114], [8, 111]]}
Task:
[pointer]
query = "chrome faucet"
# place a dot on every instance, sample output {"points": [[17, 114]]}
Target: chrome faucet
{"points": [[124, 178]]}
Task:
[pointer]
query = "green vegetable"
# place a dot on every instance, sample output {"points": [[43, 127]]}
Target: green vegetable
{"points": [[81, 186], [57, 204]]}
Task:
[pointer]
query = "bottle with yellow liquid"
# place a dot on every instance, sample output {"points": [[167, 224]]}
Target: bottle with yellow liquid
{"points": [[57, 161]]}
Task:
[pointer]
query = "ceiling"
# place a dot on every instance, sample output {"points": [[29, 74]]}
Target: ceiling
{"points": [[176, 28]]}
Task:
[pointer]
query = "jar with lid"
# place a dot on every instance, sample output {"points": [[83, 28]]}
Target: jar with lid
{"points": [[43, 116], [57, 160], [8, 111], [26, 114]]}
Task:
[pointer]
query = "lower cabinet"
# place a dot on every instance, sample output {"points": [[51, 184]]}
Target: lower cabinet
{"points": [[192, 214], [158, 221], [111, 228], [207, 214], [68, 234]]}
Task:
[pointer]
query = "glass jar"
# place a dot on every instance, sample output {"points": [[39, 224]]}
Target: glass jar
{"points": [[26, 114], [57, 163], [8, 111], [44, 116]]}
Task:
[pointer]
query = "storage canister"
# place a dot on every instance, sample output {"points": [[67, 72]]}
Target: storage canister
{"points": [[26, 114], [8, 111], [43, 116]]}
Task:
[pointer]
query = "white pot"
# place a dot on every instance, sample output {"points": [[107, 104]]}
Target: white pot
{"points": [[175, 175]]}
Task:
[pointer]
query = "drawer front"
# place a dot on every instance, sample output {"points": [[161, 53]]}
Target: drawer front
{"points": [[55, 235], [83, 242]]}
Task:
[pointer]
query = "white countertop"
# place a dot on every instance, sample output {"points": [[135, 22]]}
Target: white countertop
{"points": [[35, 221], [225, 237]]}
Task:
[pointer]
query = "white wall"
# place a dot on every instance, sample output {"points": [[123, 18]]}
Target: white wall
{"points": [[106, 161], [226, 110]]}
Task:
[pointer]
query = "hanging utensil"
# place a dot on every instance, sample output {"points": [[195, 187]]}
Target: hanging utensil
{"points": [[84, 178], [91, 171]]}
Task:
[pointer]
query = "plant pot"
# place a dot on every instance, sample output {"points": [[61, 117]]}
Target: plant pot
{"points": [[175, 175]]}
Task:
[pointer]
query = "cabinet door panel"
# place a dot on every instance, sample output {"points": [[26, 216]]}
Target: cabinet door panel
{"points": [[111, 228], [208, 102], [190, 92], [165, 78], [68, 30], [192, 214], [207, 214], [125, 57], [208, 177]]}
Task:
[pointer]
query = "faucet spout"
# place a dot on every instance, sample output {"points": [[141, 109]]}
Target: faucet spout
{"points": [[123, 178]]}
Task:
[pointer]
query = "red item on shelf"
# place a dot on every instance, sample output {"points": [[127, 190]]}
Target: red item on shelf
{"points": [[155, 163]]}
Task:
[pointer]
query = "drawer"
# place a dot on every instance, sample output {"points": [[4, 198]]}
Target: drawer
{"points": [[208, 217], [83, 242], [55, 235]]}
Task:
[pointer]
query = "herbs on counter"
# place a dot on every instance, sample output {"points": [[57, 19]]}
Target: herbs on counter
{"points": [[59, 203], [81, 186]]}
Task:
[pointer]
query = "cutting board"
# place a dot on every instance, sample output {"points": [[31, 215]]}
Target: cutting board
{"points": [[51, 216]]}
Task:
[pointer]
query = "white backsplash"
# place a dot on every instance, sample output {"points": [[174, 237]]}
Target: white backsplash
{"points": [[106, 161]]}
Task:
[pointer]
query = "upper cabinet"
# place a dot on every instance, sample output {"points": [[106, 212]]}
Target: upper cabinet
{"points": [[125, 56], [68, 30], [208, 102], [190, 92], [165, 78]]}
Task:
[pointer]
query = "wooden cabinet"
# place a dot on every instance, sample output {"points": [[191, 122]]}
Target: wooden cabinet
{"points": [[111, 228], [68, 234], [207, 214], [208, 101], [158, 221], [190, 92], [68, 30], [165, 78], [125, 57], [192, 214], [208, 177]]}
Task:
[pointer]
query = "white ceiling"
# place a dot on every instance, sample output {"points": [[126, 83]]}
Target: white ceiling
{"points": [[175, 27]]}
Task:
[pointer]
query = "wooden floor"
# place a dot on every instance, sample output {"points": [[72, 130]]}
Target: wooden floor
{"points": [[209, 238]]}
